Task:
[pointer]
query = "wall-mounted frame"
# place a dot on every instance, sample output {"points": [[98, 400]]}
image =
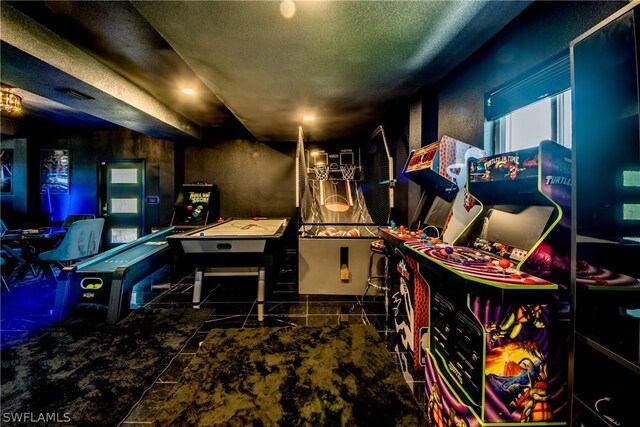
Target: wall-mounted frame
{"points": [[6, 171], [54, 171]]}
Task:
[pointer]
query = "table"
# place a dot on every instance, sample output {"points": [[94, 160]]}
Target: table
{"points": [[31, 241], [236, 247]]}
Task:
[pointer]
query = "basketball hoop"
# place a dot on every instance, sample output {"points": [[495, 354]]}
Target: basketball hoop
{"points": [[348, 171], [321, 171]]}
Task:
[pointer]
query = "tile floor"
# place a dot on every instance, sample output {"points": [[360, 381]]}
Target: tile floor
{"points": [[233, 301]]}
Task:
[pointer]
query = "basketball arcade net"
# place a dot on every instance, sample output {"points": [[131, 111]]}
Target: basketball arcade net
{"points": [[330, 196]]}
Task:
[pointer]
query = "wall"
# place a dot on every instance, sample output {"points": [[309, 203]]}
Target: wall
{"points": [[455, 106], [543, 30], [87, 146], [254, 179], [17, 198]]}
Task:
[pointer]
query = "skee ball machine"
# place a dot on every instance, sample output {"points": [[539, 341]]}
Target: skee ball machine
{"points": [[498, 328]]}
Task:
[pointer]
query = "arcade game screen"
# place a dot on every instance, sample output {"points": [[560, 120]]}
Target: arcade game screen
{"points": [[514, 229], [196, 205]]}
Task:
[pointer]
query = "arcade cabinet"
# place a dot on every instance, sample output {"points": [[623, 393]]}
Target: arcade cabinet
{"points": [[606, 239], [197, 205], [335, 226], [496, 346], [430, 167]]}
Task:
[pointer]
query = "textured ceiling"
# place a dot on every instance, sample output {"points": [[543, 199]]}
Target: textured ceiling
{"points": [[347, 62]]}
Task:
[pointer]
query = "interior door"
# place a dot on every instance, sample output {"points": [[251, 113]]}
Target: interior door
{"points": [[121, 184]]}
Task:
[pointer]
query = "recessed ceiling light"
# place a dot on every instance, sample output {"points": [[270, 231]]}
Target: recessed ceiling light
{"points": [[287, 8], [309, 118], [188, 91]]}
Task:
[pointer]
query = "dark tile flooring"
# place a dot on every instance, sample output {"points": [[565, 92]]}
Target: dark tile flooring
{"points": [[28, 308]]}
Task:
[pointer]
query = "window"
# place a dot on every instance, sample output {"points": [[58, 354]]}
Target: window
{"points": [[531, 108], [549, 118]]}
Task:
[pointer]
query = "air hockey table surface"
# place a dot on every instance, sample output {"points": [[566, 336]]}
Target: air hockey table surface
{"points": [[244, 228], [233, 236]]}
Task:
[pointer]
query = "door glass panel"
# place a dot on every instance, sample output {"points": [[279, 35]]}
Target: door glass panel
{"points": [[121, 184], [123, 235], [124, 176], [123, 206]]}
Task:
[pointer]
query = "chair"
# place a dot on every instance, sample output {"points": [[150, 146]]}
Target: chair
{"points": [[11, 253], [379, 281], [81, 241], [3, 230], [71, 218], [4, 282]]}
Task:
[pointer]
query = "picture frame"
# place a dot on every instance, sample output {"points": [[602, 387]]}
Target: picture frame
{"points": [[54, 171], [6, 171]]}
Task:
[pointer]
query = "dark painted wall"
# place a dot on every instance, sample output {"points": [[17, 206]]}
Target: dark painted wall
{"points": [[254, 179], [87, 146], [543, 30], [455, 106], [17, 198]]}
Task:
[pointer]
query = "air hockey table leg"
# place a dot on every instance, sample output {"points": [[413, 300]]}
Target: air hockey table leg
{"points": [[261, 279], [197, 287]]}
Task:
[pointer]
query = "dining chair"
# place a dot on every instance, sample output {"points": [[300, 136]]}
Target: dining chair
{"points": [[11, 254], [3, 230], [71, 218], [81, 241], [4, 282]]}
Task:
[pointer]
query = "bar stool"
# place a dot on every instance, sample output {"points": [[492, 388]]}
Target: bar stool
{"points": [[379, 281]]}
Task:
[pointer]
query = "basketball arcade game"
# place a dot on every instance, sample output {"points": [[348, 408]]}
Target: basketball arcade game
{"points": [[496, 351], [335, 226]]}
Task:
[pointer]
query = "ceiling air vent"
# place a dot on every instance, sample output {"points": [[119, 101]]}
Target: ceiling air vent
{"points": [[74, 93]]}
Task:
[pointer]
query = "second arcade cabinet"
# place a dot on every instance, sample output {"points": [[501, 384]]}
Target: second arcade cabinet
{"points": [[197, 205], [434, 167]]}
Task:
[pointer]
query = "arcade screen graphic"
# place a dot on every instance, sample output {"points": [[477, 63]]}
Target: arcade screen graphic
{"points": [[522, 164], [194, 204]]}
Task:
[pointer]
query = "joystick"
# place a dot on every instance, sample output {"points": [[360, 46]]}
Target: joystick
{"points": [[504, 264]]}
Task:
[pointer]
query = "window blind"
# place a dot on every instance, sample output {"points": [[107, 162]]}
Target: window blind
{"points": [[548, 79]]}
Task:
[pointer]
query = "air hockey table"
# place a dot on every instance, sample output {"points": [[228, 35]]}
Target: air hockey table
{"points": [[235, 247]]}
